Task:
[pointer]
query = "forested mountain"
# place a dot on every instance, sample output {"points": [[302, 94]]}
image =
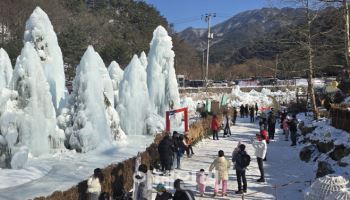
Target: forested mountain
{"points": [[249, 42], [116, 28]]}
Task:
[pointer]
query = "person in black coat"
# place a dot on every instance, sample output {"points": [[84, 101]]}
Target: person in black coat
{"points": [[271, 123], [241, 111], [166, 153], [251, 112], [234, 116], [237, 158], [181, 193], [177, 147], [246, 110], [293, 128], [263, 124]]}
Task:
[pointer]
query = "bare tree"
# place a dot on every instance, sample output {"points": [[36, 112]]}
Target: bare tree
{"points": [[346, 28], [311, 8]]}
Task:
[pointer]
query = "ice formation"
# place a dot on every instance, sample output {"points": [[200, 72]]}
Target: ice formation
{"points": [[28, 120], [143, 59], [133, 99], [41, 34], [116, 74], [263, 98], [114, 124], [161, 77], [87, 124], [5, 69], [106, 80], [324, 186]]}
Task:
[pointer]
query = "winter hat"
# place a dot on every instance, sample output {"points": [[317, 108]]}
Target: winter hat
{"points": [[160, 187], [143, 168], [179, 184], [242, 147], [239, 143]]}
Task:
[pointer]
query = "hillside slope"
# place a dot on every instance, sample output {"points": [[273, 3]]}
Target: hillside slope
{"points": [[260, 35]]}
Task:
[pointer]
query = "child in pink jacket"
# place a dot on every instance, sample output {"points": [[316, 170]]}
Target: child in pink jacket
{"points": [[201, 180]]}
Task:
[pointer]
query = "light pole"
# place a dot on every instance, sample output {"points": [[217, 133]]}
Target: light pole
{"points": [[203, 57], [208, 17]]}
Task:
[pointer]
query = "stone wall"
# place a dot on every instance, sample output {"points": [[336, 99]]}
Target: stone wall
{"points": [[118, 177]]}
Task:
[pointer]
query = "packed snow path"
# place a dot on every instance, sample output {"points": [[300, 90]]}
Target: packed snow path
{"points": [[282, 167]]}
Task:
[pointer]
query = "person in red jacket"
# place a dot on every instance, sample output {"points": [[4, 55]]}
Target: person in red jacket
{"points": [[215, 126], [265, 133]]}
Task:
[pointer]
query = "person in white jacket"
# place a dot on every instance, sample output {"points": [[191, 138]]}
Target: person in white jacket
{"points": [[94, 184], [143, 182], [222, 166], [260, 153]]}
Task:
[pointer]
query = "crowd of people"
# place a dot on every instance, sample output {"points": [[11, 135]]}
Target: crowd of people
{"points": [[173, 147]]}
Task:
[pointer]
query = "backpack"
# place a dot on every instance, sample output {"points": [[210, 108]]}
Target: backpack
{"points": [[245, 160]]}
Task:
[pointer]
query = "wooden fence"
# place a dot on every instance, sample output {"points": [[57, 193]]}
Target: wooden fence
{"points": [[340, 117]]}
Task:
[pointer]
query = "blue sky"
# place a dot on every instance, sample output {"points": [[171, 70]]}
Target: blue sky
{"points": [[186, 13]]}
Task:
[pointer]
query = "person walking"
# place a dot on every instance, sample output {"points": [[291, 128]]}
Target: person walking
{"points": [[234, 116], [166, 153], [246, 110], [256, 109], [259, 138], [222, 167], [260, 153], [285, 127], [241, 111], [242, 161], [177, 152], [293, 128], [94, 184], [181, 193], [143, 184], [189, 149], [251, 112], [226, 126], [215, 126], [162, 193], [201, 179], [181, 150], [263, 123], [282, 117], [271, 123]]}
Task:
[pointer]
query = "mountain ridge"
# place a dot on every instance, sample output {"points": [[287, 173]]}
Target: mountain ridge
{"points": [[262, 34]]}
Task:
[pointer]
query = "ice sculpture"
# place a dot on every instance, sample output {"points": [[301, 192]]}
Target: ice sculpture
{"points": [[39, 31], [87, 126], [5, 69], [161, 77], [133, 105]]}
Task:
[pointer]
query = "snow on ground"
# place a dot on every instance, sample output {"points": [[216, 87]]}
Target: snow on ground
{"points": [[237, 97], [44, 175], [324, 132], [282, 167]]}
